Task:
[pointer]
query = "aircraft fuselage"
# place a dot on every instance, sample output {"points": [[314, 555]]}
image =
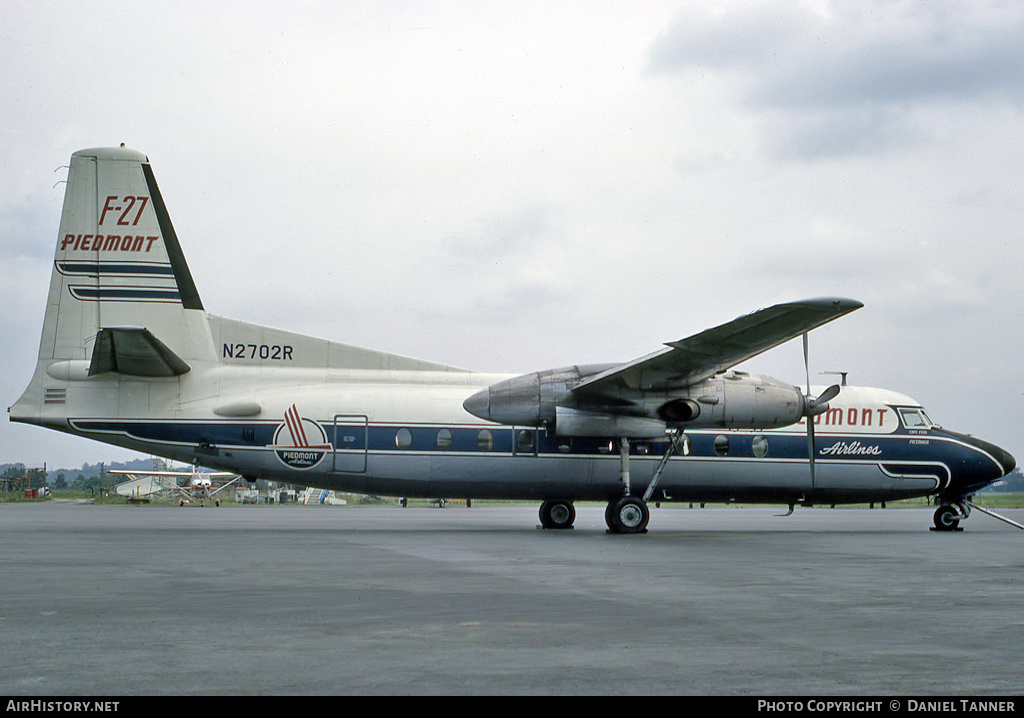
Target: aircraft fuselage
{"points": [[363, 432]]}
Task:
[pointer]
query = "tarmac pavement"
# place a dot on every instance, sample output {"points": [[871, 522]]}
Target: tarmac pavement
{"points": [[242, 600]]}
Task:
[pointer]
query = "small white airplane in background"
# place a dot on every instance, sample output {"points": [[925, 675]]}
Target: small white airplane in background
{"points": [[129, 356], [199, 486]]}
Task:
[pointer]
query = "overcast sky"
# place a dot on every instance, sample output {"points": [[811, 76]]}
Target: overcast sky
{"points": [[513, 186]]}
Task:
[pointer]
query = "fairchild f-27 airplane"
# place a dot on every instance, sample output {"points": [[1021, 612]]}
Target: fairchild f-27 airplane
{"points": [[129, 356]]}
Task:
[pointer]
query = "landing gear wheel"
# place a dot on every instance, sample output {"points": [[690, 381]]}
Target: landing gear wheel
{"points": [[557, 514], [628, 515], [946, 518]]}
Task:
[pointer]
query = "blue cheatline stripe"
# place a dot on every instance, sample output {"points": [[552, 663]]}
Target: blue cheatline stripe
{"points": [[137, 294], [115, 269], [382, 438]]}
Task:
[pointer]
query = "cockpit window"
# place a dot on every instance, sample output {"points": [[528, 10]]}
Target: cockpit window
{"points": [[915, 419]]}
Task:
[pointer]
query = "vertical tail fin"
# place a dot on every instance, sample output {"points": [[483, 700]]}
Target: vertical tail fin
{"points": [[118, 262], [122, 301]]}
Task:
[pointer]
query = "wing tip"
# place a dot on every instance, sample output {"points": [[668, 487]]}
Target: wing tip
{"points": [[831, 304]]}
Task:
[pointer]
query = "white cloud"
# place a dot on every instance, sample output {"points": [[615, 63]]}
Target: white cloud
{"points": [[853, 80], [512, 186]]}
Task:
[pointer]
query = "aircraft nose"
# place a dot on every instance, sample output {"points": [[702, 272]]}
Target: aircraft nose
{"points": [[1005, 459], [479, 404], [989, 464], [1001, 456]]}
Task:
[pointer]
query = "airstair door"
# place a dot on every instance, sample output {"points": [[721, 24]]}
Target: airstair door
{"points": [[351, 435]]}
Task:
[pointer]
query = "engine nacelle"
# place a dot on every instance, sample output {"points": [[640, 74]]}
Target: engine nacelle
{"points": [[737, 400], [530, 399], [730, 400]]}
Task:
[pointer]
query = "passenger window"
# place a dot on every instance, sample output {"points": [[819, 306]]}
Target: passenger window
{"points": [[444, 439], [524, 442], [684, 445], [721, 444], [484, 440], [403, 438], [760, 447]]}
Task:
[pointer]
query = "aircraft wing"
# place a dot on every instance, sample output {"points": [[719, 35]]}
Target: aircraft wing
{"points": [[225, 485], [130, 472], [695, 358]]}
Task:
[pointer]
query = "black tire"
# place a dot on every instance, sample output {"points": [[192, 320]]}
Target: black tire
{"points": [[946, 518], [628, 515], [557, 514]]}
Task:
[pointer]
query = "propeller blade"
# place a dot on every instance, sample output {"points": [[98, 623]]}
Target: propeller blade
{"points": [[807, 367], [814, 406], [828, 395], [810, 447], [818, 405]]}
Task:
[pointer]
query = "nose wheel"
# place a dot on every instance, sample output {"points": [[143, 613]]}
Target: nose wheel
{"points": [[947, 518]]}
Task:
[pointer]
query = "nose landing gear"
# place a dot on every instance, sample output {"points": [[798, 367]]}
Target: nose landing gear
{"points": [[948, 516]]}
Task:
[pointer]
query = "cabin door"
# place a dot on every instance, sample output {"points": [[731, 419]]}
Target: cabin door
{"points": [[351, 435]]}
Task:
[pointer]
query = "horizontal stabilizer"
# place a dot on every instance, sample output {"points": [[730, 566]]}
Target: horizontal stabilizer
{"points": [[134, 351]]}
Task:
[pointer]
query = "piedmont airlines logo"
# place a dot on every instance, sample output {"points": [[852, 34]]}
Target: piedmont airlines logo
{"points": [[851, 448], [300, 443]]}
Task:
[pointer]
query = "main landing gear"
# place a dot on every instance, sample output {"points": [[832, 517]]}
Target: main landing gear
{"points": [[625, 515], [629, 514], [557, 514]]}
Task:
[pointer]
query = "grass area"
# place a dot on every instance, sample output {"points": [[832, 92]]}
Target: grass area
{"points": [[988, 499], [1000, 500]]}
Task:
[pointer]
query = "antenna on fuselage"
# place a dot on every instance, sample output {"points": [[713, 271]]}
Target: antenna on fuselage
{"points": [[838, 373]]}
